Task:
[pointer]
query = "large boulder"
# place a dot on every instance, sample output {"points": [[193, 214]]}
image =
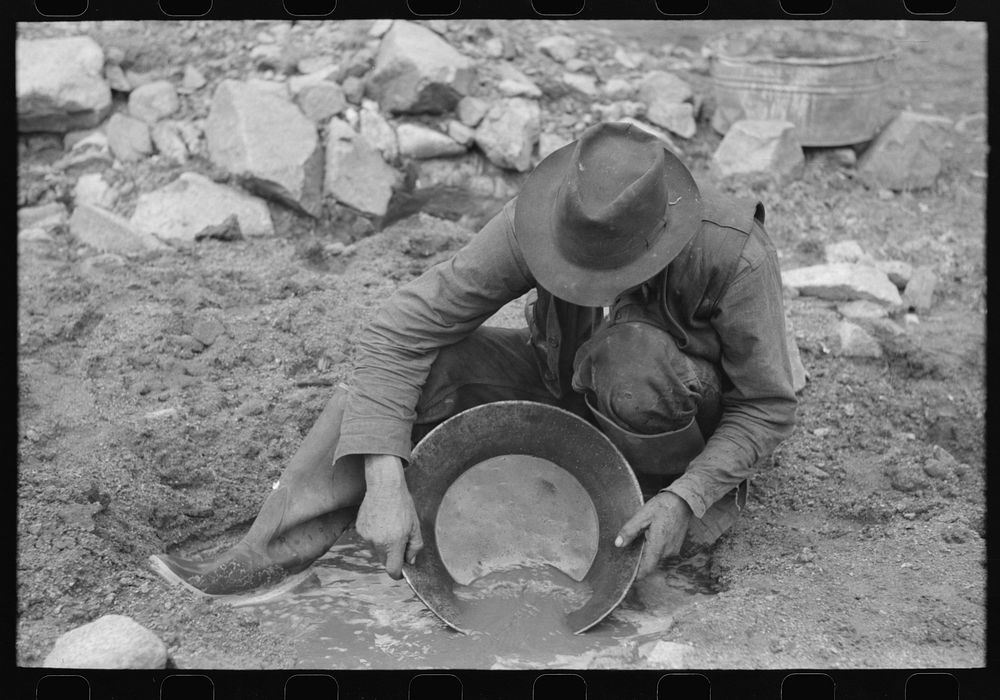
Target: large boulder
{"points": [[193, 203], [758, 146], [109, 233], [509, 131], [356, 175], [842, 282], [59, 84], [906, 154], [111, 641], [267, 143], [418, 71]]}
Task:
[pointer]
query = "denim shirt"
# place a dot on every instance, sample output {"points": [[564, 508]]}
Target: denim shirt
{"points": [[722, 303]]}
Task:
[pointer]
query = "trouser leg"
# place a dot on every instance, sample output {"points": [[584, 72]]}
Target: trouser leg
{"points": [[492, 364], [314, 502]]}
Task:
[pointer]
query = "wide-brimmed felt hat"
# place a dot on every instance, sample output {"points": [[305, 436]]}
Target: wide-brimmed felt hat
{"points": [[605, 213]]}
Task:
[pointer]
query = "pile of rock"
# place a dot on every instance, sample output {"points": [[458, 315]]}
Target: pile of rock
{"points": [[420, 116], [407, 118], [868, 292], [905, 155]]}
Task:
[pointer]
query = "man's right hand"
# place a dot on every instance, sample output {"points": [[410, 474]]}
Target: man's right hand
{"points": [[387, 518]]}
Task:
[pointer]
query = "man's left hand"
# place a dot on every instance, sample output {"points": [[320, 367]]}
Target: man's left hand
{"points": [[664, 518]]}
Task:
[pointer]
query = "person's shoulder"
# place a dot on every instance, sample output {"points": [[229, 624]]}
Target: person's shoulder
{"points": [[734, 225], [725, 211]]}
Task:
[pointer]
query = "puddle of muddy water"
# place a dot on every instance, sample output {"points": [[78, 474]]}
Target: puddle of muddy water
{"points": [[351, 615]]}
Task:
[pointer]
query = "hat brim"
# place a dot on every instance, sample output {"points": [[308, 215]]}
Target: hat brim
{"points": [[534, 224]]}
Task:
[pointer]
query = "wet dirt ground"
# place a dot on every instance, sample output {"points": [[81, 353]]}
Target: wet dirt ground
{"points": [[862, 544]]}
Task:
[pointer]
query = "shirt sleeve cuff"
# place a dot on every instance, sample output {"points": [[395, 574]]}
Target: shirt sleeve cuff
{"points": [[691, 494], [374, 437]]}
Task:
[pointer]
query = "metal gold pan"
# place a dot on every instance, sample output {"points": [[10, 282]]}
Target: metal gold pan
{"points": [[530, 429]]}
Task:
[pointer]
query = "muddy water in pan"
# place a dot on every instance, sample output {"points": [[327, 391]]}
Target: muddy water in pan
{"points": [[518, 535], [351, 615]]}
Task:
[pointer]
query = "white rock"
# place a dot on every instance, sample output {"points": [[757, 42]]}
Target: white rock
{"points": [[59, 84], [420, 142], [321, 101], [461, 133], [493, 47], [377, 131], [267, 143], [618, 89], [108, 232], [843, 282], [354, 89], [193, 79], [513, 83], [906, 154], [676, 117], [855, 341], [312, 64], [115, 77], [191, 203], [34, 236], [44, 216], [628, 60], [111, 641], [662, 87], [418, 71], [582, 83], [919, 293], [128, 137], [760, 146], [92, 152], [862, 309], [74, 137], [169, 140], [356, 175], [92, 189], [558, 47], [509, 132], [846, 251], [297, 83], [471, 110], [153, 101], [897, 270]]}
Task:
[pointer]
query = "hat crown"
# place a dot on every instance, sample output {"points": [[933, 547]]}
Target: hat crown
{"points": [[613, 203]]}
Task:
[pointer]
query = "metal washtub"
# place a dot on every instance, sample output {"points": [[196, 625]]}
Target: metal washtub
{"points": [[830, 84]]}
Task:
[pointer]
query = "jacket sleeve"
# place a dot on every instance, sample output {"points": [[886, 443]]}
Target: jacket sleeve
{"points": [[439, 308], [758, 408]]}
